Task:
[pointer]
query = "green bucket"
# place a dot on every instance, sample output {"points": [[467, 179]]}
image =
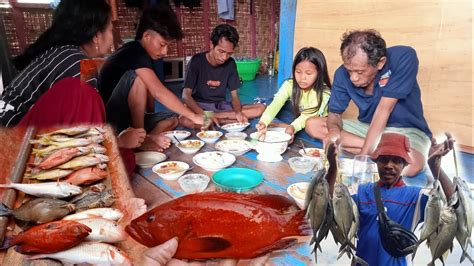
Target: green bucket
{"points": [[247, 69]]}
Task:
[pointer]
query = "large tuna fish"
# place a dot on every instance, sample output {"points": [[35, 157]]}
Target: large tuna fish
{"points": [[222, 225]]}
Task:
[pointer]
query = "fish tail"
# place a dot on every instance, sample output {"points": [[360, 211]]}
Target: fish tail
{"points": [[464, 256], [4, 210]]}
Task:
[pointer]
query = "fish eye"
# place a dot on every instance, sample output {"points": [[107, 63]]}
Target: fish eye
{"points": [[151, 218]]}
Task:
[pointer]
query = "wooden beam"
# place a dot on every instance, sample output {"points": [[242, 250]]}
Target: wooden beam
{"points": [[287, 32]]}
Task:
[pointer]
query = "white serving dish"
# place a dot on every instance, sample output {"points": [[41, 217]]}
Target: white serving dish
{"points": [[298, 192], [148, 159], [235, 127], [180, 135], [235, 146], [236, 135], [170, 170], [214, 160], [194, 183], [270, 148], [209, 136], [190, 146], [302, 164]]}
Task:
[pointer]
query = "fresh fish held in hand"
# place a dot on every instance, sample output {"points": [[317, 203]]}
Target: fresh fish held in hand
{"points": [[432, 217], [89, 252], [464, 217], [442, 241], [48, 190], [86, 176], [61, 156], [222, 225], [106, 213], [103, 230], [50, 174], [319, 210], [40, 210], [49, 237]]}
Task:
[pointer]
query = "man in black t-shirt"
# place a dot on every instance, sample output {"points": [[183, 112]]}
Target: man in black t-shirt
{"points": [[128, 84], [210, 74]]}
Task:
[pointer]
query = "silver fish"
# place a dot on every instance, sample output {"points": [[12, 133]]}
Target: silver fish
{"points": [[442, 241], [48, 189], [464, 217], [317, 205], [103, 230], [432, 217], [106, 213], [89, 252], [58, 145]]}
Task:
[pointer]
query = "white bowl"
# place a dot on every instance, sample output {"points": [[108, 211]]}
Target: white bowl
{"points": [[236, 135], [302, 164], [194, 183], [147, 159], [235, 127], [214, 160], [170, 170], [190, 146], [179, 134], [235, 146], [209, 136], [298, 192], [270, 148]]}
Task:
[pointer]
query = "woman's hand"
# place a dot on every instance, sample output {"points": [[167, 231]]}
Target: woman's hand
{"points": [[261, 130]]}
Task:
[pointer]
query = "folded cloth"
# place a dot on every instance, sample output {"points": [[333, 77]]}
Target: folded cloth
{"points": [[225, 9]]}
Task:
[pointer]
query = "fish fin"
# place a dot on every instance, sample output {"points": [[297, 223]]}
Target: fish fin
{"points": [[4, 209], [359, 261], [280, 244], [208, 244], [8, 241], [296, 226]]}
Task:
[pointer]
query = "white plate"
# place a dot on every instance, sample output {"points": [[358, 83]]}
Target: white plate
{"points": [[214, 160], [173, 175], [180, 134], [311, 152], [235, 127], [298, 192], [209, 136], [346, 166], [235, 146], [147, 159]]}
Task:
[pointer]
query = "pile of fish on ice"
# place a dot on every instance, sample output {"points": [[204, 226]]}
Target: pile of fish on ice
{"points": [[72, 223]]}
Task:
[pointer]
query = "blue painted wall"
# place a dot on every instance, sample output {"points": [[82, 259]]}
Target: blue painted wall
{"points": [[287, 37]]}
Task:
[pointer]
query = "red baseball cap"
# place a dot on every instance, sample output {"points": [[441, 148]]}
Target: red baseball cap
{"points": [[393, 144]]}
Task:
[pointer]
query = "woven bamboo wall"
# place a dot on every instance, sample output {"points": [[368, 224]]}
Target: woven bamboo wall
{"points": [[192, 20]]}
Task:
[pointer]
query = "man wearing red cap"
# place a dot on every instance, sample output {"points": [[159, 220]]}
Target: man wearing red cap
{"points": [[403, 204]]}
